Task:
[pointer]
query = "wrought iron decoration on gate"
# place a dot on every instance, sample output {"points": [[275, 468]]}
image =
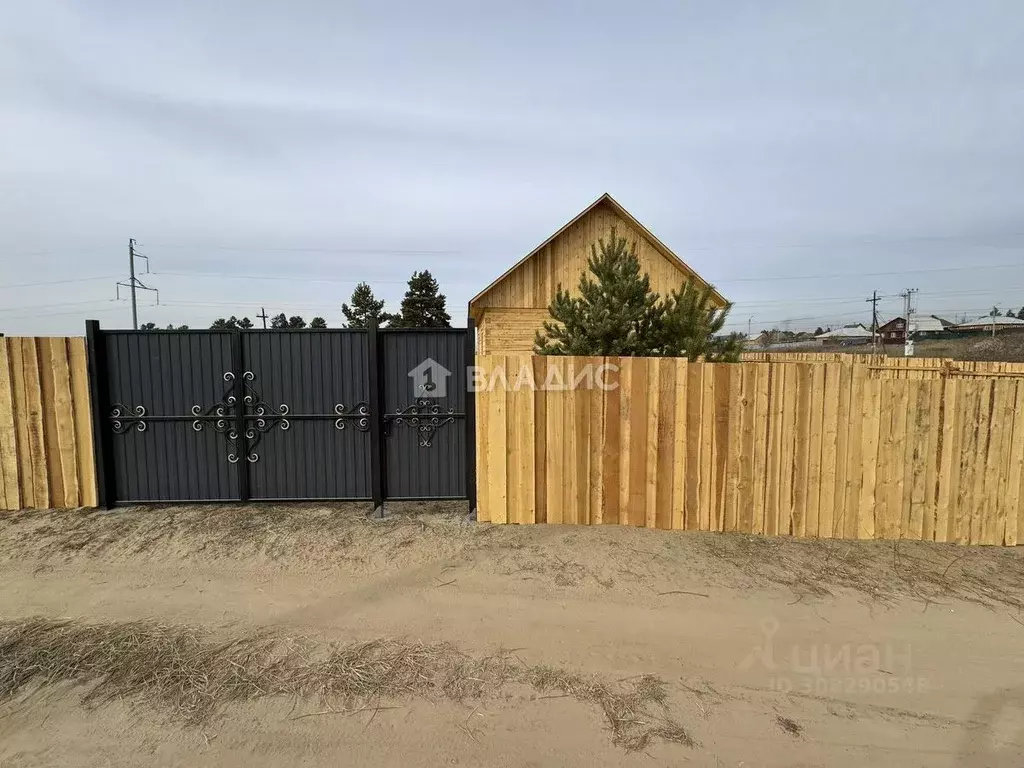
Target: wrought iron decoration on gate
{"points": [[264, 417], [426, 416]]}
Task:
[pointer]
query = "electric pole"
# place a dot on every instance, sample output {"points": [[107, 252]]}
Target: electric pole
{"points": [[263, 316], [134, 283], [908, 343], [131, 281], [874, 321]]}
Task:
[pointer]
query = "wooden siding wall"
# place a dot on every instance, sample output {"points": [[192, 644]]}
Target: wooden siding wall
{"points": [[562, 261], [509, 330], [45, 429], [828, 450]]}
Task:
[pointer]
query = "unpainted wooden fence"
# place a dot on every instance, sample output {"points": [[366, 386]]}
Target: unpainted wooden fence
{"points": [[46, 449], [851, 448]]}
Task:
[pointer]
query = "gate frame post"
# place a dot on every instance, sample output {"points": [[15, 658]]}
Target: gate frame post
{"points": [[470, 418], [101, 442], [376, 419], [242, 465]]}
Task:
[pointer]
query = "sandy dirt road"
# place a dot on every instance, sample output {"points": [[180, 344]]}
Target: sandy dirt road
{"points": [[771, 652]]}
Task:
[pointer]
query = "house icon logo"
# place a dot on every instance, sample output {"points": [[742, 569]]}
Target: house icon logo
{"points": [[430, 379]]}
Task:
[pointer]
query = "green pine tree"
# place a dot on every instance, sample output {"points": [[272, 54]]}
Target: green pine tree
{"points": [[279, 321], [318, 322], [691, 327], [423, 305], [245, 322], [296, 322], [365, 307], [616, 313]]}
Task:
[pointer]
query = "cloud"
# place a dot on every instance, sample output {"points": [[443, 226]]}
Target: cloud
{"points": [[806, 139]]}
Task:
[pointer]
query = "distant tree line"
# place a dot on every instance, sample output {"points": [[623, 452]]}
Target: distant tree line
{"points": [[423, 306]]}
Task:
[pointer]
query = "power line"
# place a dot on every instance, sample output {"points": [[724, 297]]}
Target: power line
{"points": [[837, 275], [300, 278], [33, 316], [59, 282], [282, 249], [61, 304], [881, 296]]}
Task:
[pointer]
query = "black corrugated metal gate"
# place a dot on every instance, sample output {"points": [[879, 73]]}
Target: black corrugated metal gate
{"points": [[282, 415]]}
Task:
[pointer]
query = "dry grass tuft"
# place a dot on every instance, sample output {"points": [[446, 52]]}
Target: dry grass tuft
{"points": [[270, 531], [883, 571], [627, 713], [791, 727], [192, 675]]}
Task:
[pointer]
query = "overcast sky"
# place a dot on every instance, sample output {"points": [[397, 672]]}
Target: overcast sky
{"points": [[791, 152]]}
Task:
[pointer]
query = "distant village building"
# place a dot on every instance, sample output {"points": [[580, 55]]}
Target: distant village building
{"points": [[850, 334], [998, 324], [894, 331]]}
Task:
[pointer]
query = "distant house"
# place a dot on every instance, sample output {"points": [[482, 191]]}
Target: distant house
{"points": [[510, 311], [929, 326], [850, 334], [999, 324], [756, 340], [894, 331]]}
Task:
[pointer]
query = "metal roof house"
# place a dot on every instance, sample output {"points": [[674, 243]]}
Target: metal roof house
{"points": [[998, 323], [851, 334]]}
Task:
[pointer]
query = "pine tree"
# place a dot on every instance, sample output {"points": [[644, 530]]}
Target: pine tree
{"points": [[818, 331], [296, 322], [147, 327], [423, 306], [691, 327], [317, 322], [222, 324], [279, 321], [617, 313], [365, 307], [245, 322], [614, 314], [1010, 313]]}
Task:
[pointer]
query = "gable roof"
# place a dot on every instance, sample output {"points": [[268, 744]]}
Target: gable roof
{"points": [[628, 217], [988, 321], [857, 331], [899, 321]]}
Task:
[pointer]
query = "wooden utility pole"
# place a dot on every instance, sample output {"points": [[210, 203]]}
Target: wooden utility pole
{"points": [[874, 321], [263, 316]]}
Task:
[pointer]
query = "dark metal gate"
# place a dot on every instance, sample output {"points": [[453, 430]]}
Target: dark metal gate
{"points": [[282, 415]]}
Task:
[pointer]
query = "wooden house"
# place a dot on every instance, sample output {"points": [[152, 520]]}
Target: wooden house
{"points": [[510, 311]]}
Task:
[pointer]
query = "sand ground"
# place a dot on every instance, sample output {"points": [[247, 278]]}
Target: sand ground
{"points": [[773, 652]]}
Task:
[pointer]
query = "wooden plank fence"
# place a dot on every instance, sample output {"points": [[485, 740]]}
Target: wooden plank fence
{"points": [[46, 454], [839, 449]]}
